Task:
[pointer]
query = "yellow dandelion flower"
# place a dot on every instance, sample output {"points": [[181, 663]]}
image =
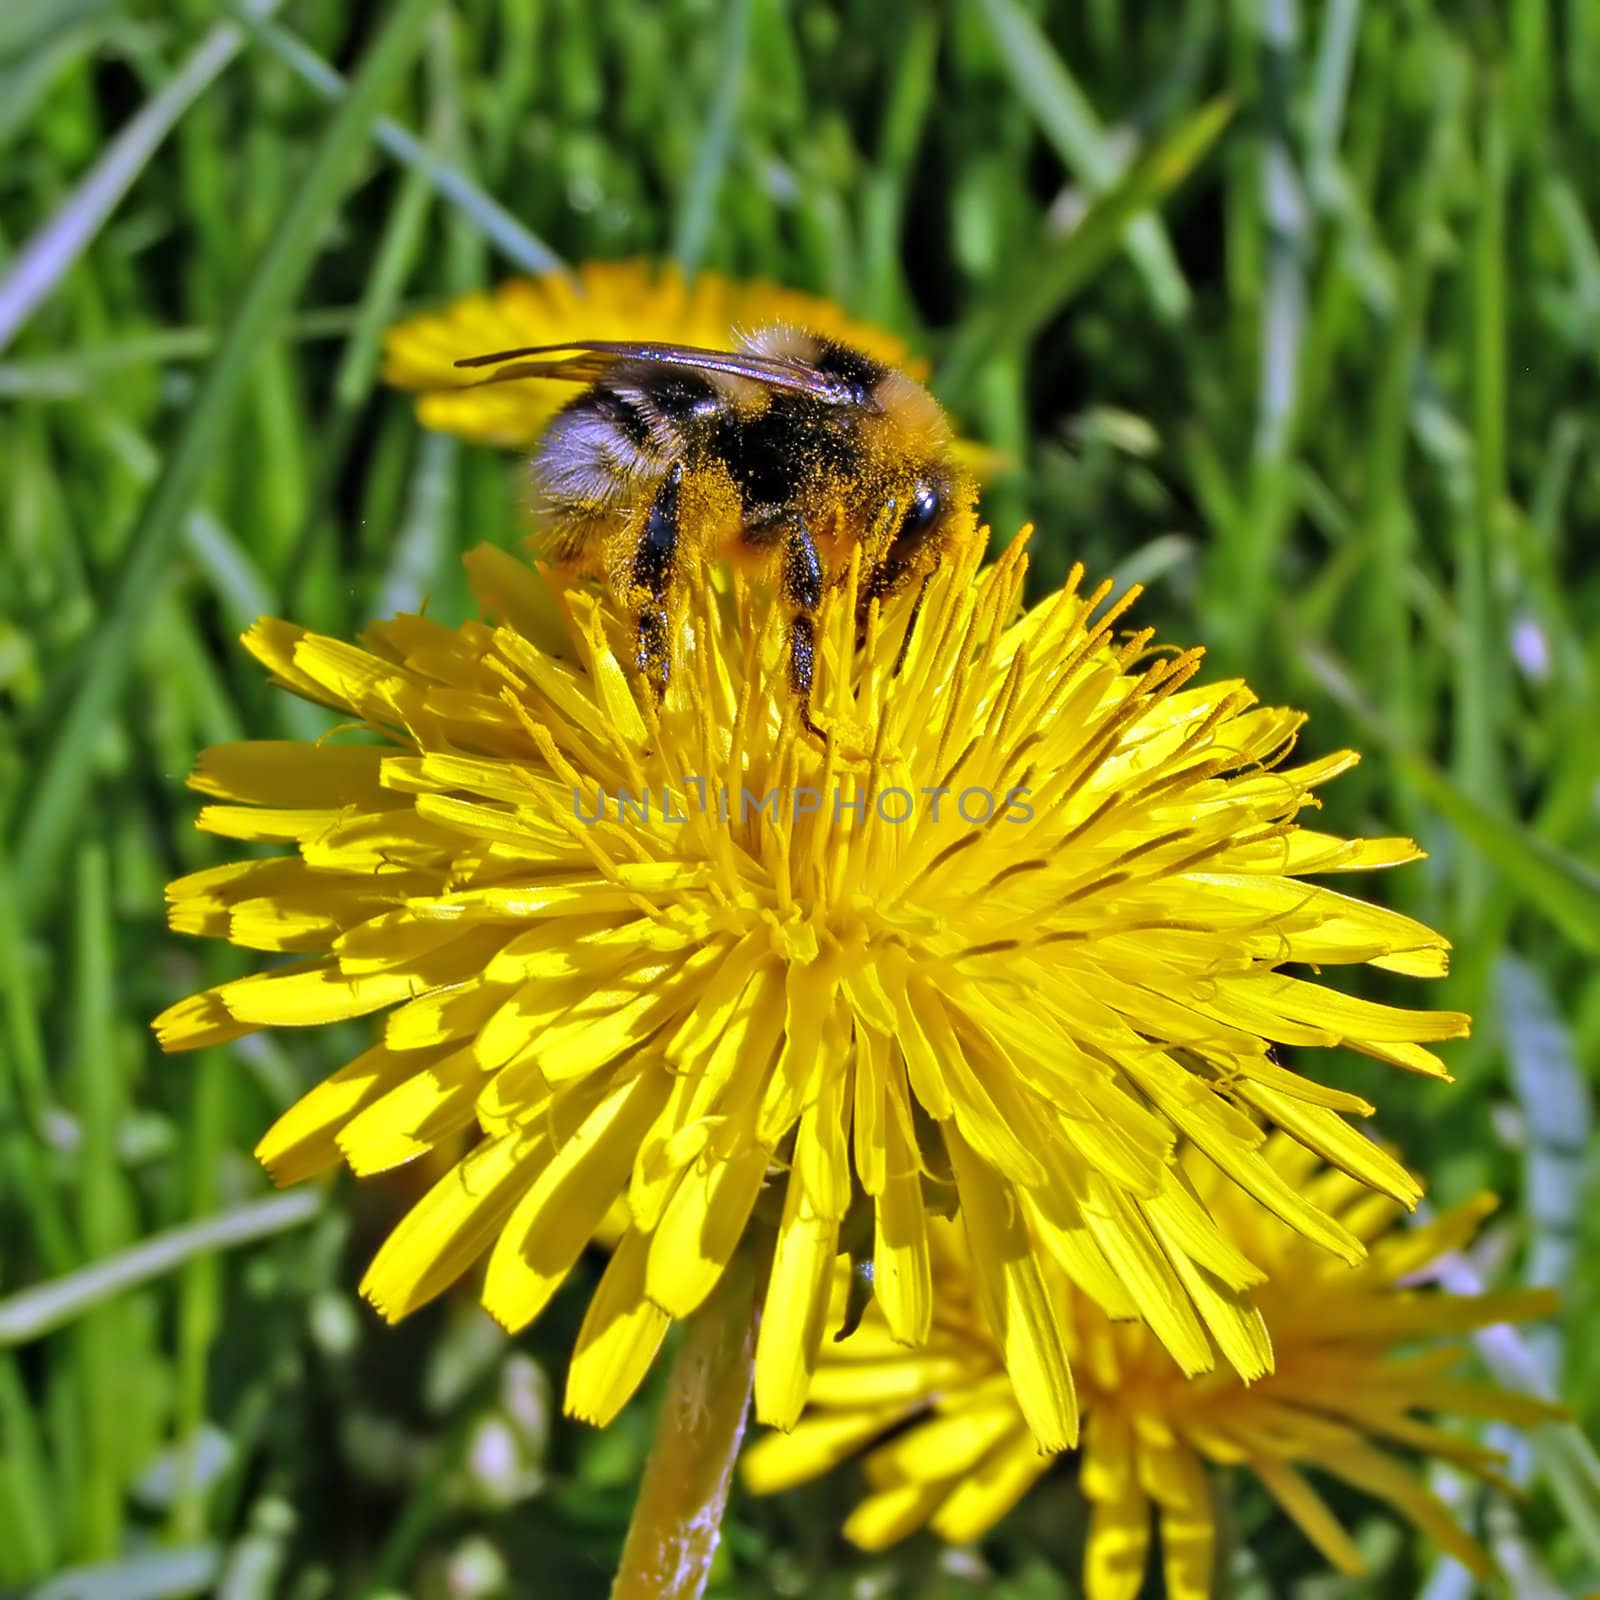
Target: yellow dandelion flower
{"points": [[1029, 915], [598, 300], [1340, 1391]]}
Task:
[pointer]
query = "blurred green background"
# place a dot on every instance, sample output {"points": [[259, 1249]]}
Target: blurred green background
{"points": [[1331, 395]]}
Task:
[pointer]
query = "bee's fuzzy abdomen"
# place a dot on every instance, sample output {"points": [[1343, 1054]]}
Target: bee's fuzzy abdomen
{"points": [[591, 455]]}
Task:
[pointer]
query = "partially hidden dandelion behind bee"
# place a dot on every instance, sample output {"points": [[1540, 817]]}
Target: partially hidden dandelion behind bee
{"points": [[1359, 1361], [634, 300], [1078, 945]]}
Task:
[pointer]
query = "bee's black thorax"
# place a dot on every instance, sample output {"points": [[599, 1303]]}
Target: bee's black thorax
{"points": [[774, 455]]}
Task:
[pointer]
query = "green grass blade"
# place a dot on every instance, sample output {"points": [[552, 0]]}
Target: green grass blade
{"points": [[150, 1575], [27, 81], [28, 25], [1475, 757], [697, 207], [218, 554], [1247, 550], [509, 236], [35, 1311], [1572, 1469], [1060, 267], [72, 374], [28, 1532], [1581, 59], [229, 568], [1562, 887], [46, 258], [416, 556], [1288, 244], [57, 798], [1152, 563], [256, 1562], [1554, 1098], [1330, 89], [1565, 1458], [105, 1214], [1388, 514], [882, 291], [1048, 89], [398, 249], [25, 1093], [200, 1307]]}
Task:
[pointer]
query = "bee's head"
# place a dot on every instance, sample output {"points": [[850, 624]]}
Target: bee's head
{"points": [[923, 517], [927, 519], [926, 496]]}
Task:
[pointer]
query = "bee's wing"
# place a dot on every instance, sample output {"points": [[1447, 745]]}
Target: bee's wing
{"points": [[589, 360]]}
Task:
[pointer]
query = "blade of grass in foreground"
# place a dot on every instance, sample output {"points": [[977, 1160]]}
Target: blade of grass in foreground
{"points": [[57, 797], [1055, 272]]}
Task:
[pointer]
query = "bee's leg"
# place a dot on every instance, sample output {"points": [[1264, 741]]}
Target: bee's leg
{"points": [[911, 626], [655, 564], [652, 650], [802, 589]]}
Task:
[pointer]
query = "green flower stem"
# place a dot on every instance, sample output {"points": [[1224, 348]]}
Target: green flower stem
{"points": [[677, 1521]]}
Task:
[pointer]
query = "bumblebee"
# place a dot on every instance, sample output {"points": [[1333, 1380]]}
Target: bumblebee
{"points": [[783, 454]]}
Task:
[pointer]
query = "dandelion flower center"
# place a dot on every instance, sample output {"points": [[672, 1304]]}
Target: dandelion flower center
{"points": [[1027, 917]]}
